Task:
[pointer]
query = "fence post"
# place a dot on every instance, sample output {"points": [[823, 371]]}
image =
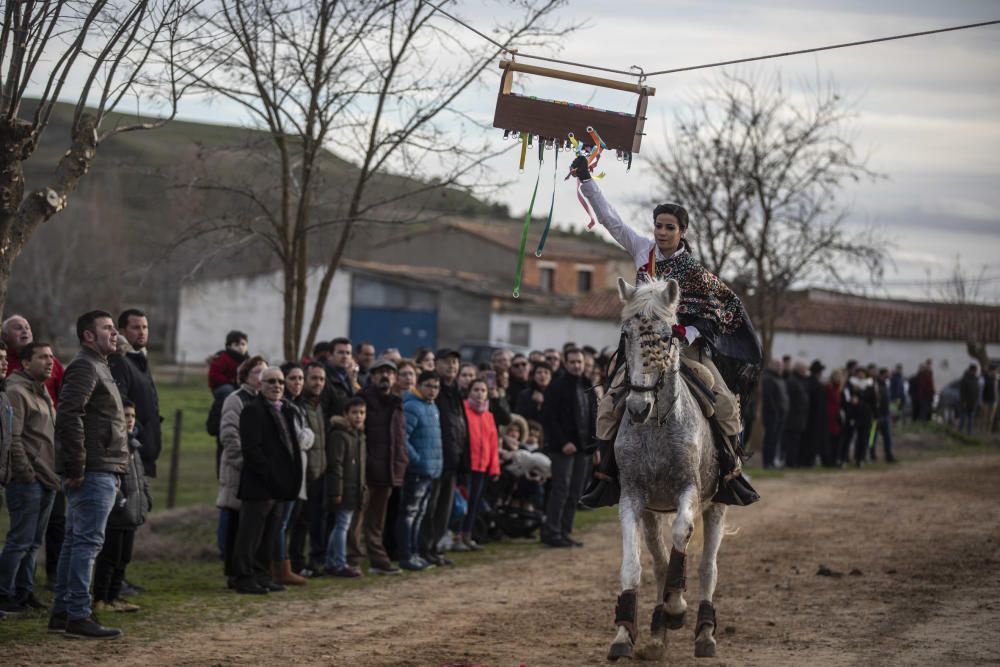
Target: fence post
{"points": [[175, 459]]}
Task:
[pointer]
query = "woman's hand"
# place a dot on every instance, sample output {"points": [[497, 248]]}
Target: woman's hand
{"points": [[580, 168]]}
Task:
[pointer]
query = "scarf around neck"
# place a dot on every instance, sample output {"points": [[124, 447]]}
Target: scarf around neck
{"points": [[479, 407]]}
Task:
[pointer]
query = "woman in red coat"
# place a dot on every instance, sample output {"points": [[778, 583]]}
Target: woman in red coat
{"points": [[484, 455]]}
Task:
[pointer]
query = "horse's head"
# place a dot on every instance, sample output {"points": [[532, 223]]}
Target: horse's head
{"points": [[648, 315]]}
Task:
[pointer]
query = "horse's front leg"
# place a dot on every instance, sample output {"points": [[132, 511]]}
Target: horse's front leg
{"points": [[651, 527], [629, 511], [682, 529], [714, 518]]}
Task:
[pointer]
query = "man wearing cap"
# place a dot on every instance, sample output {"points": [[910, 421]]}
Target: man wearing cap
{"points": [[455, 445], [385, 467], [817, 436]]}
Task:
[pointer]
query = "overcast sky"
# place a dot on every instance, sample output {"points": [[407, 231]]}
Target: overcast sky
{"points": [[928, 109]]}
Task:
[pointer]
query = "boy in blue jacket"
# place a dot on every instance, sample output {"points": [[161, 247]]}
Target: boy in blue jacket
{"points": [[423, 444]]}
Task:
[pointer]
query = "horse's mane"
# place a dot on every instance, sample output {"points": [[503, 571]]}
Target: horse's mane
{"points": [[648, 302]]}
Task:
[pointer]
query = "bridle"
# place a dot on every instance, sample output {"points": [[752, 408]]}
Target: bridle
{"points": [[654, 355]]}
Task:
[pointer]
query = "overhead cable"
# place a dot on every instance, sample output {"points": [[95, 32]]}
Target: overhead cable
{"points": [[675, 70]]}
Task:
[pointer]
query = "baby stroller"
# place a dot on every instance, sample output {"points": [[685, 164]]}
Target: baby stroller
{"points": [[501, 515]]}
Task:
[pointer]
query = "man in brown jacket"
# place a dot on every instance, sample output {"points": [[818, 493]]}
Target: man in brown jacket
{"points": [[33, 481], [92, 453], [385, 435]]}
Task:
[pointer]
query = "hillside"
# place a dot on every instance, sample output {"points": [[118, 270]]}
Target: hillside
{"points": [[116, 245]]}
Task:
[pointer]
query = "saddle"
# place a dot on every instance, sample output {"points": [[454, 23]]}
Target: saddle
{"points": [[698, 378]]}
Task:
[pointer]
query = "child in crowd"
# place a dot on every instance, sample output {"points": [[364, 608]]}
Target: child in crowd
{"points": [[536, 436], [512, 437], [423, 445], [345, 482], [484, 457], [132, 503]]}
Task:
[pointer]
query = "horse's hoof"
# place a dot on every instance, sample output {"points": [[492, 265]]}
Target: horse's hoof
{"points": [[704, 647], [652, 651], [620, 650]]}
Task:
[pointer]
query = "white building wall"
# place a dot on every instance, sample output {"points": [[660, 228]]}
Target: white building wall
{"points": [[547, 331], [210, 309], [950, 357]]}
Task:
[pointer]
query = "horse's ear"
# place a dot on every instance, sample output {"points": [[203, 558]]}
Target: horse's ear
{"points": [[671, 293], [625, 291]]}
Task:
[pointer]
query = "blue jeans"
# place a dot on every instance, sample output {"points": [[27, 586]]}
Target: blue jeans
{"points": [[279, 550], [885, 431], [336, 546], [965, 418], [87, 510], [412, 509], [29, 506]]}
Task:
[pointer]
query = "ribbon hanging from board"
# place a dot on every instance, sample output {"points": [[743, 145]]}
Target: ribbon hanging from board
{"points": [[527, 216], [552, 207]]}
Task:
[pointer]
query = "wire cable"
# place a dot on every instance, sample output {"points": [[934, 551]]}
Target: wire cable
{"points": [[690, 68], [823, 48]]}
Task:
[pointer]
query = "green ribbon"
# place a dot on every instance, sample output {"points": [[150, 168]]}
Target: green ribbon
{"points": [[552, 207], [527, 223]]}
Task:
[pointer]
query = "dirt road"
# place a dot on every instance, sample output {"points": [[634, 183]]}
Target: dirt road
{"points": [[924, 537]]}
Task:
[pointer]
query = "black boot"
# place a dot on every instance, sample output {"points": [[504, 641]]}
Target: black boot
{"points": [[604, 489], [734, 488]]}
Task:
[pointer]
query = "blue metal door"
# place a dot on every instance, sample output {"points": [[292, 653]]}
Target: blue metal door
{"points": [[394, 327]]}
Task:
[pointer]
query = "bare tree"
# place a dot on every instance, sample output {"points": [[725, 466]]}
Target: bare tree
{"points": [[965, 288], [373, 81], [99, 53], [762, 175]]}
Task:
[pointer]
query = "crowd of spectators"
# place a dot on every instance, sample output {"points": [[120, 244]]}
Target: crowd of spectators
{"points": [[391, 462], [351, 462], [839, 418]]}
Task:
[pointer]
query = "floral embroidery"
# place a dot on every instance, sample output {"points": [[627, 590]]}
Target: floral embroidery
{"points": [[703, 295]]}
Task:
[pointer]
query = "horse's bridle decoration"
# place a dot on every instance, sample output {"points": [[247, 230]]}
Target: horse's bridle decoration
{"points": [[654, 357]]}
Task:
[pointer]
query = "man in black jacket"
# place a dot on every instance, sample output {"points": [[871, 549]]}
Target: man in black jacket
{"points": [[817, 435], [337, 357], [531, 400], [798, 415], [519, 378], [135, 382], [568, 416], [91, 453], [271, 475], [455, 450]]}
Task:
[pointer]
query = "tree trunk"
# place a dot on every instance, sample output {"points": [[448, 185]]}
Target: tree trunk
{"points": [[19, 217]]}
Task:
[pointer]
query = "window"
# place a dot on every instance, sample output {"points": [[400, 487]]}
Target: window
{"points": [[584, 280], [546, 278], [520, 334]]}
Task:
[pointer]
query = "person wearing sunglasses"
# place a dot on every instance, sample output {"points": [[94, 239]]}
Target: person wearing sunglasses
{"points": [[271, 475]]}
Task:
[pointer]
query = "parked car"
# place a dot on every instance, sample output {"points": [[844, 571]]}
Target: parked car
{"points": [[478, 352]]}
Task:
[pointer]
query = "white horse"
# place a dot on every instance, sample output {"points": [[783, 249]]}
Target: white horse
{"points": [[668, 463]]}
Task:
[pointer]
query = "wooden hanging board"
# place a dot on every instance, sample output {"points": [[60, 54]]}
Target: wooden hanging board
{"points": [[554, 119]]}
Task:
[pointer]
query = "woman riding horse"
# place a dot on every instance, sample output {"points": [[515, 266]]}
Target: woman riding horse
{"points": [[715, 328]]}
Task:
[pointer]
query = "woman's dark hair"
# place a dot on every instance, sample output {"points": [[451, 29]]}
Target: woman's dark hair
{"points": [[243, 372], [289, 365], [354, 402], [675, 210]]}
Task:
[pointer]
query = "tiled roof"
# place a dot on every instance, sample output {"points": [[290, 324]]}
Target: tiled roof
{"points": [[825, 312], [432, 276], [507, 234]]}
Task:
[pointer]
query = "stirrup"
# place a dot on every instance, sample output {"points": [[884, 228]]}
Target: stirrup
{"points": [[603, 492], [736, 491]]}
